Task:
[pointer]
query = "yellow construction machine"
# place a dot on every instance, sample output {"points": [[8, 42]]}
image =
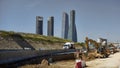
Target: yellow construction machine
{"points": [[112, 48], [95, 49]]}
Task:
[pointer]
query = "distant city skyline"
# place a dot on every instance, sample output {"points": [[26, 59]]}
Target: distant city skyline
{"points": [[94, 18]]}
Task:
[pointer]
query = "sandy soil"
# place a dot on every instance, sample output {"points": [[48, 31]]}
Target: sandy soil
{"points": [[112, 62]]}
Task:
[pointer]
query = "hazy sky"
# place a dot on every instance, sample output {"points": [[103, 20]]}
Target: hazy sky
{"points": [[94, 18]]}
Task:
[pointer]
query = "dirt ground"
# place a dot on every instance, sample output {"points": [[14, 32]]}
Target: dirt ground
{"points": [[112, 62]]}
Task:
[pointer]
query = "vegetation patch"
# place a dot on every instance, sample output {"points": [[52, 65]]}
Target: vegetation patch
{"points": [[33, 37]]}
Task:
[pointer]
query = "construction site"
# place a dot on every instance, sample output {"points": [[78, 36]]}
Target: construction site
{"points": [[96, 54], [59, 34], [92, 53]]}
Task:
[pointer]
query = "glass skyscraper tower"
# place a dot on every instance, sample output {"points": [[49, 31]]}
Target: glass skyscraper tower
{"points": [[39, 25], [50, 28], [65, 25], [72, 33]]}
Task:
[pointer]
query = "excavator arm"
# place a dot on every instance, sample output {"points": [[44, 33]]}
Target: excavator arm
{"points": [[87, 41]]}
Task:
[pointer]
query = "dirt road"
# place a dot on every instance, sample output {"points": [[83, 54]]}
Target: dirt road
{"points": [[112, 62]]}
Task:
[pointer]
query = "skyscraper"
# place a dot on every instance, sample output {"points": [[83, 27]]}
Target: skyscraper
{"points": [[72, 33], [39, 25], [65, 25], [50, 30]]}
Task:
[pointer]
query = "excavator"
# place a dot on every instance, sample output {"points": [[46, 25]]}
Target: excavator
{"points": [[112, 48], [97, 49]]}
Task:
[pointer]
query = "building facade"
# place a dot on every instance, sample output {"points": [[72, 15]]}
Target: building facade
{"points": [[72, 32], [65, 25], [39, 25], [50, 27]]}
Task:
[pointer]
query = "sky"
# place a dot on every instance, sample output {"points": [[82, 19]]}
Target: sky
{"points": [[94, 18]]}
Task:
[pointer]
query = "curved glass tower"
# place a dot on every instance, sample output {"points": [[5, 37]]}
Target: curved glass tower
{"points": [[72, 32], [65, 25]]}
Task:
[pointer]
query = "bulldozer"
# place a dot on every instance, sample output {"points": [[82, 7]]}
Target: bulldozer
{"points": [[95, 49]]}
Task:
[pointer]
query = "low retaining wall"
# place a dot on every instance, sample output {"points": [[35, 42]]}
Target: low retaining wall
{"points": [[56, 55]]}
